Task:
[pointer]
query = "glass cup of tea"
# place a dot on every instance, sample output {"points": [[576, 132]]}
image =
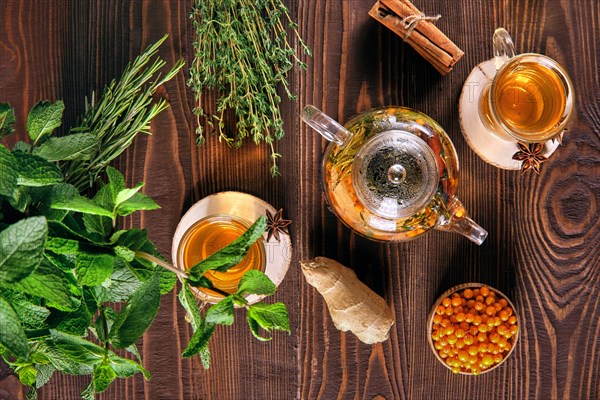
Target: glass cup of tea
{"points": [[214, 222], [524, 100]]}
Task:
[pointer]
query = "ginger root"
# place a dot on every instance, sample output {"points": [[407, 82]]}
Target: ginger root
{"points": [[352, 305]]}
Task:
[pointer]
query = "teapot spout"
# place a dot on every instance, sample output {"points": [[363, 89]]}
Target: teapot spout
{"points": [[329, 128], [458, 221]]}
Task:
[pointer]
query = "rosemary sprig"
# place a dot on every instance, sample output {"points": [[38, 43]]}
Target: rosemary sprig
{"points": [[242, 52], [123, 111]]}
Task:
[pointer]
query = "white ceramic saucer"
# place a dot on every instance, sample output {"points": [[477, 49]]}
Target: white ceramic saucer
{"points": [[493, 149], [249, 208]]}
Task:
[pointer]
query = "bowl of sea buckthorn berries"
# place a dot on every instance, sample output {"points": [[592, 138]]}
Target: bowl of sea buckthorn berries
{"points": [[472, 328]]}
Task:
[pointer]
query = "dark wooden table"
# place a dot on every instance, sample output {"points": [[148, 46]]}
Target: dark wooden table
{"points": [[543, 248]]}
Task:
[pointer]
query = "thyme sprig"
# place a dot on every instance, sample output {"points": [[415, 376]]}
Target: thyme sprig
{"points": [[242, 52]]}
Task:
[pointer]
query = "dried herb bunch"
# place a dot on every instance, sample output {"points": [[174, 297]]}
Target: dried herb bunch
{"points": [[243, 53]]}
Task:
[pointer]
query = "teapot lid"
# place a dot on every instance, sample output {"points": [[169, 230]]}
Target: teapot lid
{"points": [[395, 174]]}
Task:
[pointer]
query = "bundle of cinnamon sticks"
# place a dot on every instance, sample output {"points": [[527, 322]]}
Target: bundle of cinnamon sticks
{"points": [[408, 22]]}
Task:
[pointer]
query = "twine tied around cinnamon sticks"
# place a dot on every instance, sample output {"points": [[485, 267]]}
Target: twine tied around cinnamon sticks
{"points": [[410, 22], [417, 29]]}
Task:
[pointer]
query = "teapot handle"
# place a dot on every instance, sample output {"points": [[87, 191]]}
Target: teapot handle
{"points": [[504, 48], [329, 128], [457, 221]]}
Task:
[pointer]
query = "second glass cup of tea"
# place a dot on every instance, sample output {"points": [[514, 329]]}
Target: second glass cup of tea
{"points": [[521, 98]]}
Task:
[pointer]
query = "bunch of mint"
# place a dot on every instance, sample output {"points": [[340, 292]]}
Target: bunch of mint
{"points": [[65, 266]]}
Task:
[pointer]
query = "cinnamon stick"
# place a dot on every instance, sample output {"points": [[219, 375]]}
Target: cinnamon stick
{"points": [[408, 22]]}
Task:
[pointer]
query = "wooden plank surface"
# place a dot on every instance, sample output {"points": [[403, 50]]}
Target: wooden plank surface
{"points": [[544, 244]]}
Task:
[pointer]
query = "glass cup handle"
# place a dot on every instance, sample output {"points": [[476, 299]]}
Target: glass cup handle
{"points": [[329, 128], [504, 48]]}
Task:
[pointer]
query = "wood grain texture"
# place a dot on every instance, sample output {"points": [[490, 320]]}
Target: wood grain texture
{"points": [[544, 242]]}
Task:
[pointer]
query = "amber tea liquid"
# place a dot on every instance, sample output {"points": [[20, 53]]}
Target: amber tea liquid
{"points": [[529, 98], [210, 235]]}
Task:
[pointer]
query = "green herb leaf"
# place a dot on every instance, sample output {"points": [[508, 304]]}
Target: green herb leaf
{"points": [[74, 322], [255, 329], [222, 312], [230, 255], [124, 253], [137, 315], [62, 361], [31, 315], [89, 393], [268, 317], [47, 281], [76, 349], [138, 202], [44, 373], [48, 194], [256, 282], [7, 119], [27, 374], [35, 171], [43, 118], [8, 172], [204, 354], [22, 146], [92, 269], [125, 368], [125, 194], [21, 248], [103, 377], [188, 301], [79, 146], [120, 285], [12, 335], [199, 341], [83, 205]]}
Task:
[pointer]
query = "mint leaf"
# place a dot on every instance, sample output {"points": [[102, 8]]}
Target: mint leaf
{"points": [[188, 301], [92, 269], [222, 312], [48, 194], [21, 248], [83, 205], [116, 182], [256, 282], [27, 374], [145, 268], [74, 322], [89, 391], [31, 315], [199, 341], [231, 254], [204, 354], [21, 198], [120, 285], [12, 335], [22, 146], [268, 317], [103, 377], [138, 202], [125, 368], [47, 281], [43, 118], [8, 173], [125, 194], [255, 329], [75, 348], [79, 146], [124, 253], [137, 315], [44, 373], [7, 119], [35, 171]]}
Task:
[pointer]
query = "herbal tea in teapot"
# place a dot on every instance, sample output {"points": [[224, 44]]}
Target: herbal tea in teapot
{"points": [[391, 174]]}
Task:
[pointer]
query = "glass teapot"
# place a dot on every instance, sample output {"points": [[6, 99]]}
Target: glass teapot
{"points": [[391, 174]]}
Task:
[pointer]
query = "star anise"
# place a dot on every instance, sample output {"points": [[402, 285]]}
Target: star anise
{"points": [[531, 155], [276, 225]]}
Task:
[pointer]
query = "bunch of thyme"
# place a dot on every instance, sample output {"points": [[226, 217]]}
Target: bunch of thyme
{"points": [[124, 110], [243, 53]]}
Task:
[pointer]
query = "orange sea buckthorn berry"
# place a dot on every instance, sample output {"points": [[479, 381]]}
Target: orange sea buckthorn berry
{"points": [[460, 333], [503, 314], [449, 330], [464, 326], [437, 318], [453, 319], [438, 346], [482, 337], [440, 310], [457, 301], [512, 320], [502, 343], [469, 317], [455, 370], [460, 317], [467, 293], [471, 303], [473, 330], [491, 322], [442, 354], [484, 291], [479, 298], [509, 310], [468, 339], [502, 330], [479, 306], [476, 292], [463, 356], [497, 321], [476, 320], [451, 339], [459, 344], [497, 306], [490, 300], [498, 358], [473, 350], [514, 329], [446, 302], [458, 310], [445, 322], [448, 311], [483, 328], [472, 359], [487, 360], [503, 302]]}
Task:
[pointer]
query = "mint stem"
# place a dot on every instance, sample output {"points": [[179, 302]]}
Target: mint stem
{"points": [[162, 263]]}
